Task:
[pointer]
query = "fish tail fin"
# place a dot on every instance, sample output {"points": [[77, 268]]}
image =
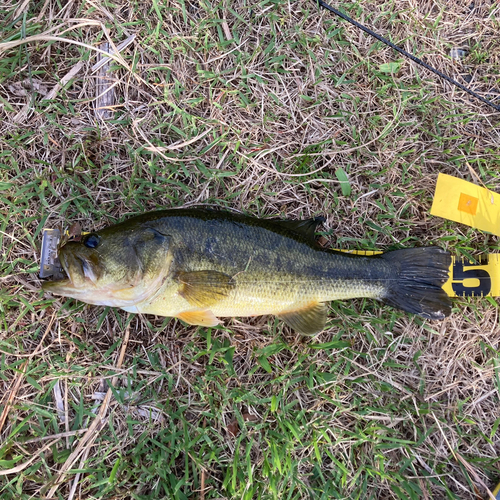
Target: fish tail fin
{"points": [[421, 273]]}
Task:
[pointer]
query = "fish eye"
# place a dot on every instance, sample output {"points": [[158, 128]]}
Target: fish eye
{"points": [[91, 241]]}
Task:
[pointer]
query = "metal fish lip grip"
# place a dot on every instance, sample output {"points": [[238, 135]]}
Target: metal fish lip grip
{"points": [[49, 260]]}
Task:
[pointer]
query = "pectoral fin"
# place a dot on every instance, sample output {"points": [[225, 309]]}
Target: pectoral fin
{"points": [[202, 318], [204, 288], [307, 320]]}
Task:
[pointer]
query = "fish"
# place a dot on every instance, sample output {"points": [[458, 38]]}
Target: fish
{"points": [[201, 264]]}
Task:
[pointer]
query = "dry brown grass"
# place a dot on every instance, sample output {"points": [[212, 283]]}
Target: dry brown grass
{"points": [[260, 124]]}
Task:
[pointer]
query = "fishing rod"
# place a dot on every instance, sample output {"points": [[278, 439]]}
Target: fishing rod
{"points": [[340, 14]]}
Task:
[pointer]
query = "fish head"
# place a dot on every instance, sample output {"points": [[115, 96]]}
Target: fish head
{"points": [[118, 266]]}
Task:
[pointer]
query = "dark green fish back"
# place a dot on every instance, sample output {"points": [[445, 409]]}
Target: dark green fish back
{"points": [[233, 243]]}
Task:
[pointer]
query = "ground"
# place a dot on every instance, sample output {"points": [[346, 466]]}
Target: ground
{"points": [[272, 108]]}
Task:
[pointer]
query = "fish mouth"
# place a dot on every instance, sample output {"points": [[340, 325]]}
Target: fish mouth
{"points": [[58, 287], [76, 278], [62, 281]]}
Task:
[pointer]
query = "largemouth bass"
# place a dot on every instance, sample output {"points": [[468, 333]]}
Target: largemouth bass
{"points": [[200, 265]]}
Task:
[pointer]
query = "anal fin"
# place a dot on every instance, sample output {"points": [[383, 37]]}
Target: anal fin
{"points": [[202, 318], [307, 320]]}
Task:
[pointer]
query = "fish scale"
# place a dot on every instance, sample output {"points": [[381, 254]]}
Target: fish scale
{"points": [[273, 270]]}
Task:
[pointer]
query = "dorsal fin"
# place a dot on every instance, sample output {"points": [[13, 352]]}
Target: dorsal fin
{"points": [[306, 227], [308, 320]]}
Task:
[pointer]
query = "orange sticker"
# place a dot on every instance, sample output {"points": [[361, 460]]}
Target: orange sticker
{"points": [[468, 203]]}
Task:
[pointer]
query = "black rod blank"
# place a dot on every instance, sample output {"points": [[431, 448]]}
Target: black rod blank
{"points": [[340, 14]]}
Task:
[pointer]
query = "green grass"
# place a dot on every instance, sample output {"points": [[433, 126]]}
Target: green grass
{"points": [[304, 119]]}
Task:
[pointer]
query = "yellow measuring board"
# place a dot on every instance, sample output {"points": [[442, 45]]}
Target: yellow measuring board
{"points": [[467, 203], [467, 279], [474, 279]]}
